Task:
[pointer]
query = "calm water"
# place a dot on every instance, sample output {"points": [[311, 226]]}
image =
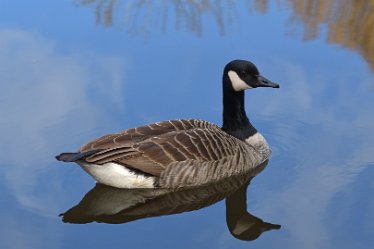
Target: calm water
{"points": [[71, 71]]}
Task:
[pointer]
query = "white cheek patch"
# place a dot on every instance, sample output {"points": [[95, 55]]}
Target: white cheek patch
{"points": [[237, 83]]}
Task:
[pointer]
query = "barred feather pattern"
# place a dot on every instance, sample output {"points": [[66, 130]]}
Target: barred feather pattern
{"points": [[177, 152]]}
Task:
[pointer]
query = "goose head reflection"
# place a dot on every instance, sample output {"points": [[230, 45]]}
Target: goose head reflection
{"points": [[116, 206], [241, 223]]}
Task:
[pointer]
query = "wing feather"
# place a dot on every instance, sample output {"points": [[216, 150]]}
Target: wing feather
{"points": [[152, 147]]}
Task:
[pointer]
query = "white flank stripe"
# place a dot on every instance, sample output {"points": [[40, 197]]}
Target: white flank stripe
{"points": [[116, 175]]}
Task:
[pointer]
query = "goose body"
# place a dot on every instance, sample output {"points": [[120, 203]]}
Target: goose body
{"points": [[182, 153]]}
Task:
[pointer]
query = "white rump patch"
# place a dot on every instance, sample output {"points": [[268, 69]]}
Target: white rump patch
{"points": [[116, 175], [237, 83]]}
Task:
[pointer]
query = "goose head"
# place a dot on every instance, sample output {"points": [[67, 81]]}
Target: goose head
{"points": [[241, 75]]}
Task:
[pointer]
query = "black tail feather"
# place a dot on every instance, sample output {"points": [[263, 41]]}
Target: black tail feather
{"points": [[75, 156]]}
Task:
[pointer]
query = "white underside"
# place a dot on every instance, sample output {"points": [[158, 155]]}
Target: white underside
{"points": [[116, 175]]}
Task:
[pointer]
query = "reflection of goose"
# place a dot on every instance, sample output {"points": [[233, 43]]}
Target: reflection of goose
{"points": [[243, 225], [112, 205], [180, 153]]}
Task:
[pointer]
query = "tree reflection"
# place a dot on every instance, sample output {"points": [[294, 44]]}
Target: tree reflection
{"points": [[141, 16], [349, 23]]}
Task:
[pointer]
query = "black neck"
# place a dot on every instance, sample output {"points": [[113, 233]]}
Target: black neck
{"points": [[235, 120], [236, 203]]}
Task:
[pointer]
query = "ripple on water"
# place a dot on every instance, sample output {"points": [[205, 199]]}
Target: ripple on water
{"points": [[282, 135]]}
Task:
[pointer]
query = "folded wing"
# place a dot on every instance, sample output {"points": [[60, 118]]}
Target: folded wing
{"points": [[151, 148]]}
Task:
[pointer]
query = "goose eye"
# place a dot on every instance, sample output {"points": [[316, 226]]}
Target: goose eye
{"points": [[243, 72]]}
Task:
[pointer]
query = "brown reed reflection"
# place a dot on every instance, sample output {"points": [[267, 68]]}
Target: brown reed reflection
{"points": [[142, 16], [349, 23]]}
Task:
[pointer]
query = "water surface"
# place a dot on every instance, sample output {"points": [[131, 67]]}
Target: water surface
{"points": [[71, 71]]}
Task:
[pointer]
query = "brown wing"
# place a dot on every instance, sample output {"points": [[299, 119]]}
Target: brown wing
{"points": [[131, 136], [151, 148]]}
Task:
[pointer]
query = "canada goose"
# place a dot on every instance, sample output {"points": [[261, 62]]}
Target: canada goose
{"points": [[181, 153]]}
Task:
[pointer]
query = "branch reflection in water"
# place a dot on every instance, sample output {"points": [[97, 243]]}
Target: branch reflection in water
{"points": [[141, 17], [116, 206], [349, 23]]}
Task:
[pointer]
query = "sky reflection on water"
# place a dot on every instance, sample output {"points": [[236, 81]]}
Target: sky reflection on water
{"points": [[65, 80]]}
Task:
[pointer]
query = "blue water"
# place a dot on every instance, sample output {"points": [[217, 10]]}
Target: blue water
{"points": [[69, 72]]}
